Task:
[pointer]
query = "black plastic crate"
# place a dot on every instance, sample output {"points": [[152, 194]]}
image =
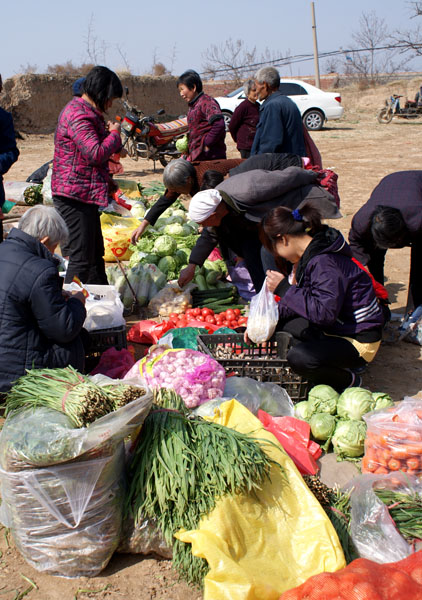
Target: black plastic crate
{"points": [[101, 340], [263, 362]]}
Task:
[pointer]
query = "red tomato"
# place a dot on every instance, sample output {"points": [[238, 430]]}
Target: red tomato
{"points": [[181, 317], [173, 316], [196, 311], [242, 320], [230, 316], [210, 319], [225, 324], [200, 318], [234, 324], [236, 311], [189, 312], [206, 311], [222, 315]]}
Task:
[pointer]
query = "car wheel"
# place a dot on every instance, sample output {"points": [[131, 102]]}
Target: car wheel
{"points": [[227, 116], [313, 120]]}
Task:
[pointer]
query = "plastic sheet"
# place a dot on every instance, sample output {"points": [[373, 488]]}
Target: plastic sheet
{"points": [[62, 488], [373, 532], [257, 395], [258, 547]]}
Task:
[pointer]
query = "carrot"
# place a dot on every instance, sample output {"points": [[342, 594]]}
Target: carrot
{"points": [[413, 464], [369, 465], [381, 471], [399, 452], [394, 464]]}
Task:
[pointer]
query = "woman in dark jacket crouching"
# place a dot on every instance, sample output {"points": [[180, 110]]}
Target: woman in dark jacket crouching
{"points": [[40, 325], [330, 308]]}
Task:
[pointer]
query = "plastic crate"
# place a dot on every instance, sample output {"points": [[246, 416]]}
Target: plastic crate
{"points": [[264, 362], [101, 340]]}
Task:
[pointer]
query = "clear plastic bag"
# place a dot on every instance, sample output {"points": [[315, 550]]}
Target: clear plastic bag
{"points": [[263, 316], [172, 298], [257, 395], [373, 531], [144, 538], [62, 488]]}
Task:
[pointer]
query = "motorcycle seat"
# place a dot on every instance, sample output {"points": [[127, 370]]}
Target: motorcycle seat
{"points": [[173, 128]]}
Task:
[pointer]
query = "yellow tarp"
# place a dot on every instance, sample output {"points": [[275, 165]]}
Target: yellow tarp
{"points": [[257, 549]]}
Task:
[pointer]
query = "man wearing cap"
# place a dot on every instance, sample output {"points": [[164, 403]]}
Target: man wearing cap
{"points": [[231, 213]]}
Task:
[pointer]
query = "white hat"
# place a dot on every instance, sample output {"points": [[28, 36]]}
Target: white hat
{"points": [[203, 204]]}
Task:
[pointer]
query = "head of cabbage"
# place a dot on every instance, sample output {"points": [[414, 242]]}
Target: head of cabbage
{"points": [[348, 439], [322, 426], [182, 144], [302, 410], [164, 246], [381, 400], [167, 264], [323, 399], [173, 229], [354, 402]]}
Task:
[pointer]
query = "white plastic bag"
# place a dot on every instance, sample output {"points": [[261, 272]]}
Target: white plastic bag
{"points": [[46, 188], [263, 316], [62, 488], [104, 309], [373, 531]]}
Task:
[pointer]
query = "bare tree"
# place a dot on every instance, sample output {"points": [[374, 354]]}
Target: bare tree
{"points": [[28, 68], [411, 39], [96, 49], [231, 60], [373, 52]]}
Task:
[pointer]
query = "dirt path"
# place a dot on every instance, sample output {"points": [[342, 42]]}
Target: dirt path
{"points": [[361, 151]]}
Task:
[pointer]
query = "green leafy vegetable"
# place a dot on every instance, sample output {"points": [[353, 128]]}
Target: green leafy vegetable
{"points": [[164, 246], [348, 439], [322, 426], [381, 401], [323, 399], [354, 402]]}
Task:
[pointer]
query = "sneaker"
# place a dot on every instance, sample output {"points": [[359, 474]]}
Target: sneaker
{"points": [[356, 379]]}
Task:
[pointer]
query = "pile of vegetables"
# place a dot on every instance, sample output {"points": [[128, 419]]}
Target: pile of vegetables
{"points": [[394, 440], [195, 376], [231, 317], [337, 419], [146, 280], [68, 391], [181, 466]]}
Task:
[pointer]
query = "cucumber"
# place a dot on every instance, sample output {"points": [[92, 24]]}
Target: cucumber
{"points": [[200, 282]]}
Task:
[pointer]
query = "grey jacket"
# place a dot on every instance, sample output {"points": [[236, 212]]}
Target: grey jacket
{"points": [[255, 193]]}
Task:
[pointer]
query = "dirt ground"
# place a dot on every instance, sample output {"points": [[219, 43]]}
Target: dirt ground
{"points": [[361, 151]]}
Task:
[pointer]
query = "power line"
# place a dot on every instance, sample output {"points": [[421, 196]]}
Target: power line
{"points": [[291, 60]]}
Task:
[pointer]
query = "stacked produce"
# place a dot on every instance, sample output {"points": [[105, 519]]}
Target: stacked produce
{"points": [[231, 317], [196, 377], [338, 419], [33, 195], [181, 466], [68, 391], [394, 439], [146, 281]]}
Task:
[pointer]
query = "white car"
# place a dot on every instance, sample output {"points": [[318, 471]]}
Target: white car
{"points": [[315, 106]]}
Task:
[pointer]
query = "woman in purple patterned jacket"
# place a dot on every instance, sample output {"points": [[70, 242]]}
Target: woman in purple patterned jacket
{"points": [[206, 125], [80, 180]]}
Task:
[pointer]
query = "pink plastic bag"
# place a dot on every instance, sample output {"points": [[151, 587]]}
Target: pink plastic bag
{"points": [[114, 363]]}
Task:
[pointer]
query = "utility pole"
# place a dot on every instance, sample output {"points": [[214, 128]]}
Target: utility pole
{"points": [[317, 80]]}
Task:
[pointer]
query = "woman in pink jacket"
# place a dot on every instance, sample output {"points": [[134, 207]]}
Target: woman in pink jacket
{"points": [[80, 180]]}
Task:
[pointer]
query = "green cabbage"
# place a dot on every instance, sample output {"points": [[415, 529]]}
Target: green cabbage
{"points": [[322, 426], [180, 212], [138, 210], [187, 230], [182, 144], [348, 439], [167, 264], [164, 246], [302, 410], [354, 402], [173, 229], [175, 218], [381, 401], [182, 255], [151, 259], [323, 399]]}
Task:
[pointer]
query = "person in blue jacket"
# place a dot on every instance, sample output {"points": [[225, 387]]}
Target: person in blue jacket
{"points": [[40, 325], [330, 308], [280, 127], [8, 151]]}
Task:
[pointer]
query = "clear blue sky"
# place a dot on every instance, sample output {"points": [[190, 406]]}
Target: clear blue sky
{"points": [[176, 33]]}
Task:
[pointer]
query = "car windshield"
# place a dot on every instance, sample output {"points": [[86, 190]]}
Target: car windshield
{"points": [[234, 93]]}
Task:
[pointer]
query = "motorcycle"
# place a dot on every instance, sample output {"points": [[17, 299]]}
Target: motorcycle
{"points": [[144, 137], [392, 109]]}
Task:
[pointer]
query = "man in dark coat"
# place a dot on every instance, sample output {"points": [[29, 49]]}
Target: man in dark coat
{"points": [[231, 213], [39, 324], [280, 127], [392, 218], [8, 151]]}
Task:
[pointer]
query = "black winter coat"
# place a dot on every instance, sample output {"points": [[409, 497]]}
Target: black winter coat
{"points": [[38, 327]]}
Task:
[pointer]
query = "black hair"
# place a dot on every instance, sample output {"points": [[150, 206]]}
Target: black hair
{"points": [[282, 221], [211, 179], [388, 227], [102, 84], [190, 79]]}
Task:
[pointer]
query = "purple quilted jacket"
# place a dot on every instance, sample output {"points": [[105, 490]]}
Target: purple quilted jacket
{"points": [[82, 147]]}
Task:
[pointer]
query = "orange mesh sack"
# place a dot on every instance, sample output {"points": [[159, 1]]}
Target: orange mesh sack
{"points": [[365, 580]]}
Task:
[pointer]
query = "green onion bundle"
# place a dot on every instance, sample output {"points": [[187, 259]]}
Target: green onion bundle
{"points": [[406, 511], [68, 391], [181, 466]]}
